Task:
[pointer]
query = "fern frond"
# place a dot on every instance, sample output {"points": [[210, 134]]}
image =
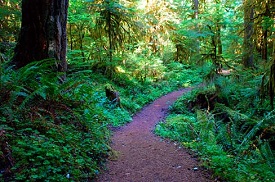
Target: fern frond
{"points": [[264, 123], [267, 153], [207, 123], [235, 115], [39, 92]]}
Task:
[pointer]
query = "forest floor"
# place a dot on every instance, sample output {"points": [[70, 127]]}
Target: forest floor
{"points": [[141, 156]]}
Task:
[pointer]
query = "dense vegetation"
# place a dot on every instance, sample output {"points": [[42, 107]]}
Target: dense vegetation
{"points": [[228, 127], [53, 130]]}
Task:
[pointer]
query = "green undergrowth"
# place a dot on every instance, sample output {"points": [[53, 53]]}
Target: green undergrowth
{"points": [[59, 131], [228, 126]]}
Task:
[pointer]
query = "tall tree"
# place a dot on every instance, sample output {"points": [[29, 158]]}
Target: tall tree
{"points": [[271, 86], [114, 28], [43, 33], [196, 16], [265, 21], [219, 18], [248, 33], [196, 9]]}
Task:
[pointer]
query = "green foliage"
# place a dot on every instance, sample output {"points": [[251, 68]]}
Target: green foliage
{"points": [[55, 130], [49, 128], [108, 27], [9, 20], [178, 127], [236, 142]]}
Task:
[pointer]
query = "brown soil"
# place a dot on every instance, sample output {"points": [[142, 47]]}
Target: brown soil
{"points": [[143, 157]]}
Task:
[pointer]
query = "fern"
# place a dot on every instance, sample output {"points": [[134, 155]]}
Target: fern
{"points": [[235, 115], [267, 153], [207, 127], [266, 122], [39, 113], [40, 91]]}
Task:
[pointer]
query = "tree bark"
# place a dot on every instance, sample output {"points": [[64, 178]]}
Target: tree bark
{"points": [[219, 40], [248, 32], [264, 47], [196, 9], [265, 30], [196, 16], [43, 33]]}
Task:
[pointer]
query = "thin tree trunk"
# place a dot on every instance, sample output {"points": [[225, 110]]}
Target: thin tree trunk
{"points": [[110, 37], [264, 48], [248, 32], [178, 52], [219, 41], [196, 9], [43, 33], [71, 37], [265, 34], [196, 16], [109, 68], [81, 38]]}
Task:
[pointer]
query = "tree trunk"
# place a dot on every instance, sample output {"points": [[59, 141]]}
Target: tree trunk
{"points": [[71, 37], [271, 85], [109, 19], [248, 32], [265, 33], [177, 52], [219, 40], [196, 16], [43, 33], [264, 48], [196, 9]]}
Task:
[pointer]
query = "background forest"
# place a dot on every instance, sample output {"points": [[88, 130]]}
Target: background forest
{"points": [[53, 130]]}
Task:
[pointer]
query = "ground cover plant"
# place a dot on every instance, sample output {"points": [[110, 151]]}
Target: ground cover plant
{"points": [[52, 130], [229, 128]]}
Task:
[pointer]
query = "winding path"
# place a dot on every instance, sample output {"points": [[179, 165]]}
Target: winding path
{"points": [[144, 157]]}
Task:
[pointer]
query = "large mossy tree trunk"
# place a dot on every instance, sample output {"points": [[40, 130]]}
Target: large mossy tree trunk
{"points": [[43, 33]]}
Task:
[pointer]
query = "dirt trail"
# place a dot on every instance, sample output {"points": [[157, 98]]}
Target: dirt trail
{"points": [[144, 157]]}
